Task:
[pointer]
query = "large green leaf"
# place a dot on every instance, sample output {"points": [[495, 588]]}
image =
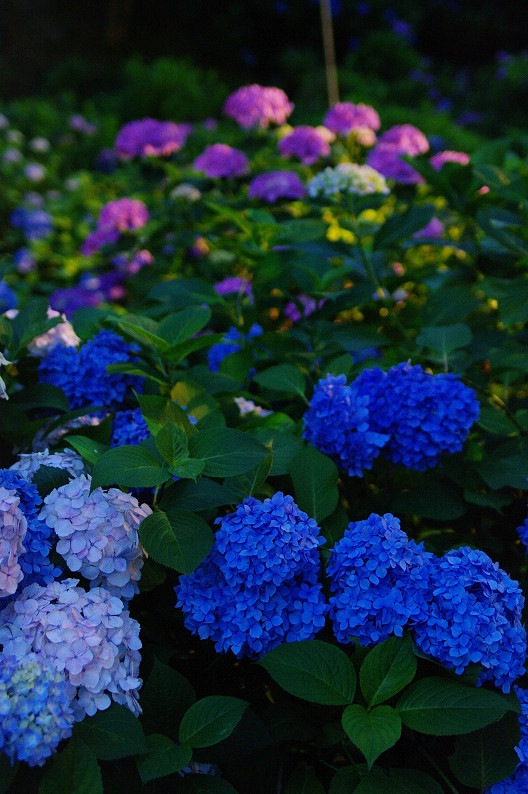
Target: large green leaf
{"points": [[283, 378], [312, 670], [48, 478], [386, 669], [180, 326], [113, 733], [487, 756], [399, 781], [31, 321], [195, 496], [372, 731], [89, 449], [314, 477], [165, 698], [441, 707], [157, 411], [443, 339], [506, 466], [130, 466], [345, 780], [41, 395], [184, 292], [285, 447], [73, 770], [164, 757], [211, 719], [8, 773], [226, 451], [402, 225], [303, 780], [171, 442], [176, 539]]}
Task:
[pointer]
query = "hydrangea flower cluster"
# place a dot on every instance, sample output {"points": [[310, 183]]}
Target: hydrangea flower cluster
{"points": [[379, 581], [117, 216], [306, 143], [360, 180], [219, 160], [68, 460], [61, 334], [34, 223], [275, 185], [308, 306], [425, 415], [128, 427], [35, 711], [88, 636], [448, 156], [98, 534], [385, 158], [259, 585], [29, 554], [150, 138], [233, 341], [91, 290], [82, 375], [517, 783], [345, 117], [231, 284], [474, 615], [406, 138], [258, 106], [338, 423]]}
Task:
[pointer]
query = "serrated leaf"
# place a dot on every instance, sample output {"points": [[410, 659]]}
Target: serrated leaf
{"points": [[113, 733], [165, 698], [180, 326], [313, 670], [211, 719], [129, 466], [443, 339], [372, 731], [195, 496], [176, 539], [189, 468], [47, 478], [226, 451], [314, 476], [441, 707], [87, 448], [164, 757], [488, 755], [284, 378], [171, 442], [157, 411], [73, 770], [386, 669]]}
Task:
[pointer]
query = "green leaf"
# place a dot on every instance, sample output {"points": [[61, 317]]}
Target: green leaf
{"points": [[195, 496], [312, 670], [497, 223], [142, 329], [402, 225], [171, 441], [430, 499], [31, 321], [165, 698], [163, 758], [372, 731], [89, 449], [443, 339], [211, 719], [249, 483], [180, 326], [303, 780], [189, 468], [441, 707], [226, 451], [129, 466], [177, 353], [176, 539], [495, 421], [137, 368], [73, 770], [386, 669], [506, 466], [345, 780], [196, 398], [41, 395], [184, 292], [285, 447], [283, 377], [157, 411], [113, 733], [487, 756], [399, 781], [314, 477], [47, 478]]}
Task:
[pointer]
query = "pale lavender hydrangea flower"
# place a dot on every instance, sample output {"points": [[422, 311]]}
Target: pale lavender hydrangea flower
{"points": [[448, 156], [43, 439], [257, 106], [35, 172], [277, 184], [29, 463], [13, 529], [80, 124], [249, 407], [219, 159], [61, 334], [150, 138], [89, 636], [98, 534], [307, 143], [406, 138], [344, 117]]}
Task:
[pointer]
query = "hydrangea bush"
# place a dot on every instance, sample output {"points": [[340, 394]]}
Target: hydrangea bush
{"points": [[270, 411]]}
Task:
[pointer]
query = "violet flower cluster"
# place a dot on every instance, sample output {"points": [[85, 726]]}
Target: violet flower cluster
{"points": [[91, 290], [259, 585], [221, 160], [35, 711], [345, 117], [258, 106], [275, 185], [98, 534], [307, 144], [88, 636], [120, 215], [82, 374], [150, 138]]}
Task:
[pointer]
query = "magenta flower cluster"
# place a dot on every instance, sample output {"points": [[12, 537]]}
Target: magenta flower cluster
{"points": [[345, 117], [150, 138], [448, 156], [120, 215], [385, 157], [258, 106]]}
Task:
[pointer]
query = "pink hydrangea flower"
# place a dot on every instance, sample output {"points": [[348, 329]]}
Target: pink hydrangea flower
{"points": [[257, 106], [150, 138], [306, 143], [406, 138], [123, 214], [343, 117], [277, 184], [219, 159], [447, 156]]}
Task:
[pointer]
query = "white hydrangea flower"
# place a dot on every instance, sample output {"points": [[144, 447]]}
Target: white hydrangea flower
{"points": [[360, 180], [248, 407], [184, 190], [61, 334], [29, 463]]}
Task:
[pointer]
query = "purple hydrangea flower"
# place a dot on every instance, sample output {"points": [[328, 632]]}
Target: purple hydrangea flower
{"points": [[35, 223], [35, 711], [435, 228], [385, 158], [379, 581], [88, 636], [306, 143], [123, 214], [98, 239], [447, 156], [275, 185], [231, 284], [24, 260], [259, 585], [474, 616], [258, 106], [219, 160], [150, 138], [406, 138], [344, 117]]}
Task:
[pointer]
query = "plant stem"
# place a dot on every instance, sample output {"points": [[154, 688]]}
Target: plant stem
{"points": [[329, 52], [435, 766]]}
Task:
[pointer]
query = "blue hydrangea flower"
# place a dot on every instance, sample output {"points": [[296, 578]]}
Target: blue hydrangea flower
{"points": [[128, 427], [379, 581], [474, 616], [8, 299], [425, 415], [233, 341], [34, 223], [259, 585], [515, 784], [82, 374], [338, 423], [35, 711], [522, 748]]}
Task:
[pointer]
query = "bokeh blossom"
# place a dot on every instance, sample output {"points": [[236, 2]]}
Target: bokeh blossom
{"points": [[386, 158], [448, 156], [150, 138], [275, 185], [258, 106], [406, 138], [308, 144], [360, 180], [221, 160], [345, 117]]}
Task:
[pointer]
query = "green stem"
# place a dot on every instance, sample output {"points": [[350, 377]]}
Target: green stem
{"points": [[435, 766]]}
